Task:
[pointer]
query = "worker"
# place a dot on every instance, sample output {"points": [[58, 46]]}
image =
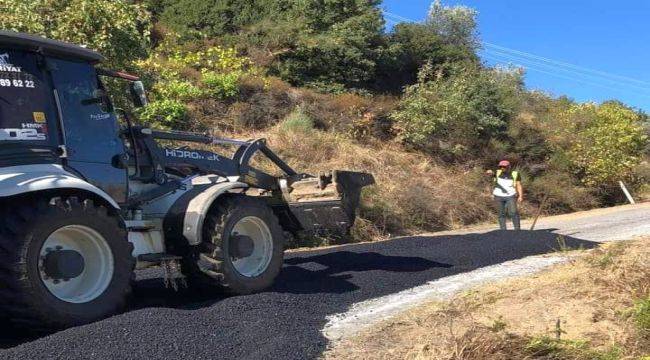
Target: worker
{"points": [[507, 192]]}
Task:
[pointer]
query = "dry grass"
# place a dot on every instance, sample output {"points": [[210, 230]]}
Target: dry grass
{"points": [[412, 192], [588, 304]]}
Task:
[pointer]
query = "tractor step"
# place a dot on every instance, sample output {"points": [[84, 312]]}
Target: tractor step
{"points": [[158, 258], [141, 225], [171, 266]]}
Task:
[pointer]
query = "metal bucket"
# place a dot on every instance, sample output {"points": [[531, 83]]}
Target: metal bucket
{"points": [[327, 204]]}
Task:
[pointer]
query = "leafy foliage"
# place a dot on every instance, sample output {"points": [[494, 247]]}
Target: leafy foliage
{"points": [[455, 24], [344, 47], [454, 110], [298, 122], [214, 72], [177, 89], [165, 113], [221, 85], [603, 143], [211, 17], [118, 29]]}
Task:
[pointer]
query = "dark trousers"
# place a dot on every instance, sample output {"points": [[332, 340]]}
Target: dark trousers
{"points": [[508, 206]]}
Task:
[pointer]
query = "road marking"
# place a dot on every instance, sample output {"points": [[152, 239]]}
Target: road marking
{"points": [[364, 314]]}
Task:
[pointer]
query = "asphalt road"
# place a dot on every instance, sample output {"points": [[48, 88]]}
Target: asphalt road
{"points": [[286, 321]]}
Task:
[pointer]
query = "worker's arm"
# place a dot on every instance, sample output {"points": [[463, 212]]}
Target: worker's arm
{"points": [[520, 191]]}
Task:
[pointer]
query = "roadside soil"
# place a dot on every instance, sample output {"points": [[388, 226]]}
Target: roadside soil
{"points": [[593, 307]]}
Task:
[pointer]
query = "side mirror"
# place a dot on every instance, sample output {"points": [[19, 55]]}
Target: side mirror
{"points": [[138, 94]]}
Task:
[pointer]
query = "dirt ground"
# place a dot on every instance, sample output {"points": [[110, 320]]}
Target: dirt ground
{"points": [[592, 307]]}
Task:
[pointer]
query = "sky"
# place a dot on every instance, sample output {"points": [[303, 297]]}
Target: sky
{"points": [[588, 50]]}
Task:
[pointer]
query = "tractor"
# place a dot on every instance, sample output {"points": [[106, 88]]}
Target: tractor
{"points": [[88, 196]]}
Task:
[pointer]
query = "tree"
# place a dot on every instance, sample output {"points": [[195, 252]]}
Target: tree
{"points": [[118, 29], [447, 36], [330, 43], [339, 46], [211, 17], [603, 143], [459, 108], [455, 24]]}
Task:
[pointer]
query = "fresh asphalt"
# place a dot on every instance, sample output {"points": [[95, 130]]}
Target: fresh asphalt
{"points": [[286, 321]]}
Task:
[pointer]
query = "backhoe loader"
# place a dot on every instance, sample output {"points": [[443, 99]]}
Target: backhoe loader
{"points": [[87, 195]]}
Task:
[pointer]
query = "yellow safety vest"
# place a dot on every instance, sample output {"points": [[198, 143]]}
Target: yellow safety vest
{"points": [[515, 175]]}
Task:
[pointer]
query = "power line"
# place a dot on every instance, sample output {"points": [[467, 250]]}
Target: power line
{"points": [[583, 81], [535, 67], [401, 18], [554, 64], [511, 57], [564, 64]]}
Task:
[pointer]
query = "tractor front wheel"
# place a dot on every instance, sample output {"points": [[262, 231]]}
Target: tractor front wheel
{"points": [[242, 249]]}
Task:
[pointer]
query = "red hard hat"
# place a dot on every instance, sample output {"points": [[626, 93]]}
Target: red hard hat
{"points": [[504, 163]]}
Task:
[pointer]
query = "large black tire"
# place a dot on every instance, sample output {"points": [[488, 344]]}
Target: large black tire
{"points": [[211, 265], [24, 227]]}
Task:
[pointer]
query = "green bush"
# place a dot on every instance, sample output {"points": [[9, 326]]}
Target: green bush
{"points": [[166, 113], [603, 143], [177, 90], [457, 110], [118, 29], [221, 85], [298, 121]]}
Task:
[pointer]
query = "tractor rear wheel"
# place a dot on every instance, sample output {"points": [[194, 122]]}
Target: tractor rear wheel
{"points": [[63, 262], [242, 249]]}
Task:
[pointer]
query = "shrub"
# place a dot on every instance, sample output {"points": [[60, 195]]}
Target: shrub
{"points": [[458, 109], [603, 143], [166, 113], [564, 195], [177, 90], [262, 108], [221, 85], [297, 122], [118, 29]]}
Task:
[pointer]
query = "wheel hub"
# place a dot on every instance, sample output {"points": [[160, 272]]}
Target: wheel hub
{"points": [[251, 246], [243, 246], [76, 264], [63, 264]]}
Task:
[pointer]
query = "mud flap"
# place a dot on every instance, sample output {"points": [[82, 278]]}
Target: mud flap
{"points": [[326, 205]]}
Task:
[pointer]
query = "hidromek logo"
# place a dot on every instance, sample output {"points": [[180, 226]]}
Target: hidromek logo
{"points": [[4, 59]]}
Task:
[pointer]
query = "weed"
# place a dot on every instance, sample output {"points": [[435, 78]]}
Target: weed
{"points": [[222, 86], [498, 325], [563, 247], [166, 113], [298, 122], [606, 256], [641, 314], [550, 348], [605, 261]]}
